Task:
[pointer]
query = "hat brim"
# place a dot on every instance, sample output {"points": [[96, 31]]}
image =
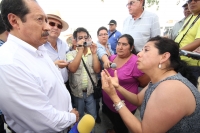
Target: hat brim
{"points": [[111, 23], [64, 24]]}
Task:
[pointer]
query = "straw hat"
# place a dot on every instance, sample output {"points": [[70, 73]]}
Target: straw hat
{"points": [[56, 15]]}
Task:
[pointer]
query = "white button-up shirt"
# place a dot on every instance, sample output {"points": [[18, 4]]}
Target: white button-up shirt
{"points": [[142, 29], [33, 96], [58, 55]]}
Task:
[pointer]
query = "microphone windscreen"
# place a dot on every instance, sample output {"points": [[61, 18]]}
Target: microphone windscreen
{"points": [[86, 124], [113, 65]]}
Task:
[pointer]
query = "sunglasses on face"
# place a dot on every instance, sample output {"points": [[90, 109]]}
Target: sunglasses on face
{"points": [[59, 26], [189, 1], [131, 3]]}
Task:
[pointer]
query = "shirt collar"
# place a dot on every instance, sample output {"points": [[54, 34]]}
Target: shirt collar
{"points": [[59, 42], [140, 15], [27, 46]]}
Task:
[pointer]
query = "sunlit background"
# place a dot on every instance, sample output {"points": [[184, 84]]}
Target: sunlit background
{"points": [[93, 14]]}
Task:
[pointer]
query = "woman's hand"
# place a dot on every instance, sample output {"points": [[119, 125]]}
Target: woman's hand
{"points": [[114, 80], [107, 85], [106, 64]]}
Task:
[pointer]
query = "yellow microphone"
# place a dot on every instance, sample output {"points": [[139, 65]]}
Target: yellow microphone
{"points": [[86, 124]]}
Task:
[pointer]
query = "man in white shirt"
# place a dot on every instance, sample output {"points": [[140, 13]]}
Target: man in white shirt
{"points": [[57, 48], [34, 98], [141, 24]]}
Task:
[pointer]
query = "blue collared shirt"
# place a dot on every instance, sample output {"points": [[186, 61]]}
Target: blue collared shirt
{"points": [[58, 55], [101, 50], [113, 40]]}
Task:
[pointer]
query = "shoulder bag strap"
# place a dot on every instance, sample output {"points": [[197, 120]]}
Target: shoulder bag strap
{"points": [[112, 34], [188, 28], [88, 72]]}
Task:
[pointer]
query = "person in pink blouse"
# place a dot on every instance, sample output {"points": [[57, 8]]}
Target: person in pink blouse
{"points": [[129, 77]]}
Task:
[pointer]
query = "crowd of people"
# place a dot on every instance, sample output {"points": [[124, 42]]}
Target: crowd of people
{"points": [[47, 86]]}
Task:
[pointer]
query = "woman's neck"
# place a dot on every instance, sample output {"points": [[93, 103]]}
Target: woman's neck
{"points": [[161, 75]]}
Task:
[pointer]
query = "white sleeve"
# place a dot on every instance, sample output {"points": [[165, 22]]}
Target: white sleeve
{"points": [[27, 105]]}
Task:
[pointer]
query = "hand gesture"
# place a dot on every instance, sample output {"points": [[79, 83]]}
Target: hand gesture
{"points": [[114, 80], [80, 44], [61, 63], [93, 48], [76, 113], [107, 85], [106, 64]]}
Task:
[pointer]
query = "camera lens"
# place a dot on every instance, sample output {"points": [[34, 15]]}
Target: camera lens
{"points": [[85, 44]]}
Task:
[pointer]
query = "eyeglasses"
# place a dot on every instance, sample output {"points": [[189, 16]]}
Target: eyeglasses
{"points": [[81, 37], [59, 26], [131, 3], [105, 34], [189, 1]]}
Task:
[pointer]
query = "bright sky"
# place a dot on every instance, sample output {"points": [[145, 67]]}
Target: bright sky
{"points": [[93, 14]]}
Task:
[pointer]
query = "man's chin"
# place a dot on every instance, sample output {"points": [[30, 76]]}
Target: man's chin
{"points": [[44, 40]]}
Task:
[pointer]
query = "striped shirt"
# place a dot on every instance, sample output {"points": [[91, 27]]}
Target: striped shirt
{"points": [[142, 29], [84, 81]]}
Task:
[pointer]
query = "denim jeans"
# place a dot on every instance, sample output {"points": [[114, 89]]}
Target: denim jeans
{"points": [[88, 103]]}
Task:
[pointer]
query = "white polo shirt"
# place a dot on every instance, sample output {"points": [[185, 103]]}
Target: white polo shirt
{"points": [[142, 29], [33, 96]]}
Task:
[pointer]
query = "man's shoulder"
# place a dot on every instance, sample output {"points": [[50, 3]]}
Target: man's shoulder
{"points": [[150, 14], [128, 18], [118, 32], [61, 41], [7, 53]]}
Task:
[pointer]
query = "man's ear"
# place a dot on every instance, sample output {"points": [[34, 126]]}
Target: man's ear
{"points": [[14, 20]]}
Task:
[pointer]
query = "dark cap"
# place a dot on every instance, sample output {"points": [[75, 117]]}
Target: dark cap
{"points": [[112, 22], [185, 5]]}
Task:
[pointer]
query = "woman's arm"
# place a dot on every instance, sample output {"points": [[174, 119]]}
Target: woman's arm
{"points": [[167, 105], [106, 61], [95, 60], [135, 99]]}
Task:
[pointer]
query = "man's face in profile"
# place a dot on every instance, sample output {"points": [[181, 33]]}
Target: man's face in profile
{"points": [[35, 29], [186, 11]]}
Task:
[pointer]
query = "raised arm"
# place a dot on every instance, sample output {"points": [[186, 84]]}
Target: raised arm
{"points": [[73, 66], [192, 46], [96, 63], [135, 99], [165, 108]]}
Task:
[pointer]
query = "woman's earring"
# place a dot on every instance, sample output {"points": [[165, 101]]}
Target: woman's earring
{"points": [[159, 66]]}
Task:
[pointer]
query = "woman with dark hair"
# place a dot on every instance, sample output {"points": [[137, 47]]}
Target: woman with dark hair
{"points": [[170, 103], [129, 77]]}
